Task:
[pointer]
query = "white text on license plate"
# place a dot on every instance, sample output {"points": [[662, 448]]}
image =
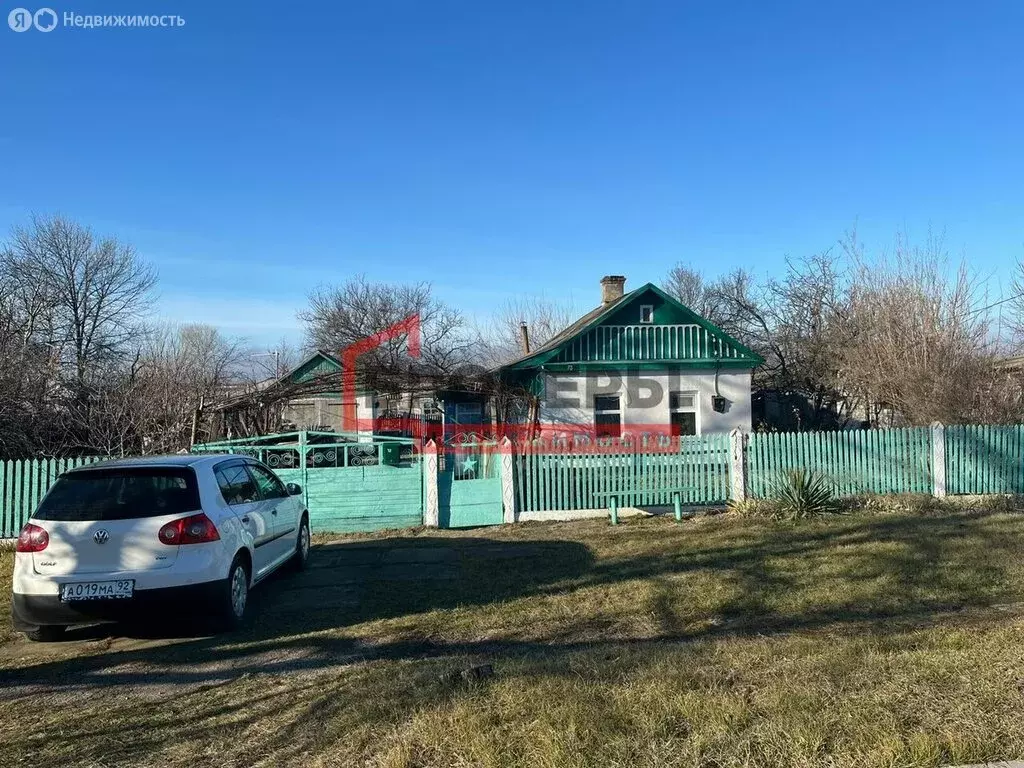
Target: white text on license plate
{"points": [[97, 590]]}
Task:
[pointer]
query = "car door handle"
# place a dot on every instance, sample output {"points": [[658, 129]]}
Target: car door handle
{"points": [[273, 511], [245, 519]]}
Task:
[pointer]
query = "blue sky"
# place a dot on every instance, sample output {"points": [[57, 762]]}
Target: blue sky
{"points": [[512, 148]]}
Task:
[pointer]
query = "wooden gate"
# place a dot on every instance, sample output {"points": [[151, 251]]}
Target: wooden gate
{"points": [[469, 485]]}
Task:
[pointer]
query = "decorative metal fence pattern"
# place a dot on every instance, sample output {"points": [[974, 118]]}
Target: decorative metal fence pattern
{"points": [[984, 459], [349, 482], [564, 475], [855, 461], [23, 484]]}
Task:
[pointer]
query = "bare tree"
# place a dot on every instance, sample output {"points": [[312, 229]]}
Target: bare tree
{"points": [[923, 348], [709, 299], [183, 370], [98, 291], [501, 339], [338, 316], [73, 306], [795, 322]]}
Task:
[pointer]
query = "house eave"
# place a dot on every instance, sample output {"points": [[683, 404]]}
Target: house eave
{"points": [[649, 365]]}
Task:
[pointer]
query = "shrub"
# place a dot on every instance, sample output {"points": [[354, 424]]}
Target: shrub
{"points": [[891, 503], [760, 509], [802, 494]]}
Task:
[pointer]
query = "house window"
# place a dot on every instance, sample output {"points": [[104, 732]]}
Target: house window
{"points": [[646, 313], [607, 416], [683, 413], [467, 418]]}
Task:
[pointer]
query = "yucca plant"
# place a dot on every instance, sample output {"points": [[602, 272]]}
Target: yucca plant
{"points": [[803, 494]]}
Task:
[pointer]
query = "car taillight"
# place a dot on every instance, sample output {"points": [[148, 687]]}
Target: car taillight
{"points": [[196, 529], [32, 539]]}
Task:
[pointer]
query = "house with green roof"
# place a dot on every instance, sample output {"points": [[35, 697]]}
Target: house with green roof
{"points": [[639, 363]]}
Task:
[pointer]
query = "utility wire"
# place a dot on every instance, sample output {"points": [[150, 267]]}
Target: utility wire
{"points": [[996, 304]]}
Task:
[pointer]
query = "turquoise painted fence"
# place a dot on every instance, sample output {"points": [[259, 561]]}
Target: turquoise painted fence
{"points": [[855, 461], [560, 475], [469, 485], [359, 485], [22, 485], [367, 498], [984, 459]]}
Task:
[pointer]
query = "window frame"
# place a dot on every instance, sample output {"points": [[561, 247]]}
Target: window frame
{"points": [[88, 495], [693, 408], [254, 469], [617, 411], [224, 466], [647, 309]]}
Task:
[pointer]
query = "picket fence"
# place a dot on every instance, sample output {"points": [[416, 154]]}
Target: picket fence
{"points": [[553, 476], [568, 475], [854, 462], [22, 485], [984, 460]]}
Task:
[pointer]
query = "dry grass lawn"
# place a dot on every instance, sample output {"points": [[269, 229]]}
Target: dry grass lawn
{"points": [[884, 640]]}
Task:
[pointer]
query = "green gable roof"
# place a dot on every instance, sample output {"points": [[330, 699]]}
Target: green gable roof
{"points": [[613, 335], [318, 364]]}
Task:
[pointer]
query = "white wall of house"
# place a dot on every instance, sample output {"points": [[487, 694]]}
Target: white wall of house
{"points": [[644, 398]]}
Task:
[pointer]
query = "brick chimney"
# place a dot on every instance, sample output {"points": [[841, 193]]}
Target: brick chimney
{"points": [[524, 337], [612, 288]]}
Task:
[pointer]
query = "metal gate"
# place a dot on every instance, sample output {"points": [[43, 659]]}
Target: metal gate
{"points": [[349, 482], [469, 485]]}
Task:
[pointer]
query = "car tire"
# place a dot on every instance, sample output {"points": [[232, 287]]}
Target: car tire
{"points": [[49, 633], [234, 597], [302, 546]]}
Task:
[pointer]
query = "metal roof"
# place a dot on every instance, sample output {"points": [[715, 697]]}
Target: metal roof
{"points": [[174, 460]]}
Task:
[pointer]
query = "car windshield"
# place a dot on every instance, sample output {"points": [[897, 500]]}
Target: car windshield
{"points": [[121, 494]]}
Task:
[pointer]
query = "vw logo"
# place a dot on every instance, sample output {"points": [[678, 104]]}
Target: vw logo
{"points": [[101, 536]]}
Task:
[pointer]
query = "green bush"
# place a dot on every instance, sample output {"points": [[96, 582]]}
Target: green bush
{"points": [[802, 494]]}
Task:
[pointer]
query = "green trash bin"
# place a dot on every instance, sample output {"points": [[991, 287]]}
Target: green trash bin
{"points": [[390, 453]]}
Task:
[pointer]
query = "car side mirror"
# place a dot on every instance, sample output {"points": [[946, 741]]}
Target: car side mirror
{"points": [[294, 489]]}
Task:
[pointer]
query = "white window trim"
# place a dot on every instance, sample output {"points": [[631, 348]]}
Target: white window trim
{"points": [[694, 409], [649, 307], [607, 411]]}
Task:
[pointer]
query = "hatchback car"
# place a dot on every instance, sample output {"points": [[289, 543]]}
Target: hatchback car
{"points": [[185, 533]]}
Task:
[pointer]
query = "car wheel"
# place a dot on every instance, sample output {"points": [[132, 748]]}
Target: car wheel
{"points": [[302, 546], [235, 596], [46, 634]]}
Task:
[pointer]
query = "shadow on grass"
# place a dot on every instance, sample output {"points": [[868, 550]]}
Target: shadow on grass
{"points": [[899, 572]]}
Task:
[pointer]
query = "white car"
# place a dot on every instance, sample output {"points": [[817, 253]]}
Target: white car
{"points": [[187, 533]]}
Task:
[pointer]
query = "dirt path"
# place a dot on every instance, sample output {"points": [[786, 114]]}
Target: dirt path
{"points": [[297, 626]]}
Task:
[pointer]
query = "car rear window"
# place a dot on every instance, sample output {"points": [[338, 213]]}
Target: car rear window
{"points": [[121, 494]]}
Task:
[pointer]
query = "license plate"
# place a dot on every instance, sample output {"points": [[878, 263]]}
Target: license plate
{"points": [[97, 590]]}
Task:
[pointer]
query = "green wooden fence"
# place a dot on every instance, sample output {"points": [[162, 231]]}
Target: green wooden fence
{"points": [[568, 476], [22, 485], [367, 485], [984, 459], [855, 461]]}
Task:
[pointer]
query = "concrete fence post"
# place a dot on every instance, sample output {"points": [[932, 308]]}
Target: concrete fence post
{"points": [[938, 460], [431, 509], [738, 492], [508, 488]]}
